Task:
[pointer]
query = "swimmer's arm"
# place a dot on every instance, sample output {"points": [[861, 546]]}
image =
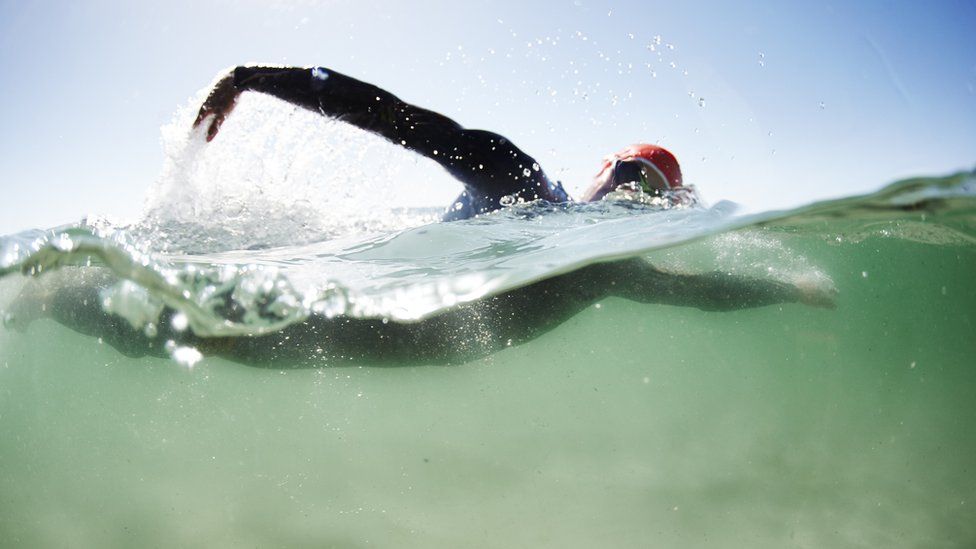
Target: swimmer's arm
{"points": [[278, 81], [334, 95], [488, 165], [640, 281], [218, 104]]}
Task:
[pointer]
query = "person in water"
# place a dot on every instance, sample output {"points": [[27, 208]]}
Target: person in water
{"points": [[488, 165]]}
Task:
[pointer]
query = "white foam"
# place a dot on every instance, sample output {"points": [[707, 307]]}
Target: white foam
{"points": [[276, 173]]}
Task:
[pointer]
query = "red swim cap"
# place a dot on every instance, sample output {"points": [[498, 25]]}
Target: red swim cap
{"points": [[658, 157], [657, 163]]}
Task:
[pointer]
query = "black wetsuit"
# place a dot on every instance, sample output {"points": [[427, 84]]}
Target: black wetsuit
{"points": [[488, 165]]}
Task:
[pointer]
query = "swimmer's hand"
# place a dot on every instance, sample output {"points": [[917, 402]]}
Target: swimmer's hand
{"points": [[815, 295], [219, 104]]}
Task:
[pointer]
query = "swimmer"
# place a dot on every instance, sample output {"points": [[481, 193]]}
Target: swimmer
{"points": [[488, 165]]}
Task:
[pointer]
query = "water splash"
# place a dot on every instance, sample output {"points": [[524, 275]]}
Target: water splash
{"points": [[261, 183], [414, 273]]}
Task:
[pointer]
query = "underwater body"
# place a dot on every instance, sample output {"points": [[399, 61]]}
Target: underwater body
{"points": [[627, 373], [242, 366]]}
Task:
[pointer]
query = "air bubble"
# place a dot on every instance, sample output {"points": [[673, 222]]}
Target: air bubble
{"points": [[186, 356], [179, 322]]}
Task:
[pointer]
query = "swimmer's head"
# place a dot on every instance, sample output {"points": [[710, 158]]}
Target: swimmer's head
{"points": [[651, 168]]}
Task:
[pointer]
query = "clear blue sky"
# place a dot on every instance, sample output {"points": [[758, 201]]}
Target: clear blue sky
{"points": [[801, 101]]}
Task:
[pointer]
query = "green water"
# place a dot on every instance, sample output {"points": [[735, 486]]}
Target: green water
{"points": [[627, 425]]}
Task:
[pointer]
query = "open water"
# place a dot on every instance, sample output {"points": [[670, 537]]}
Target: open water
{"points": [[634, 373]]}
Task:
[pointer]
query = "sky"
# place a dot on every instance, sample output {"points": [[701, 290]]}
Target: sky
{"points": [[768, 104]]}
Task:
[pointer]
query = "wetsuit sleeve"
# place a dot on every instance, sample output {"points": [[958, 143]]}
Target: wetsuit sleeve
{"points": [[487, 164], [637, 280]]}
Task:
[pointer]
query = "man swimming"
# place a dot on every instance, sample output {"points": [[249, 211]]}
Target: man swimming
{"points": [[488, 165], [490, 168]]}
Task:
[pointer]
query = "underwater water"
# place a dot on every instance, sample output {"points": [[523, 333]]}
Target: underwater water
{"points": [[619, 374]]}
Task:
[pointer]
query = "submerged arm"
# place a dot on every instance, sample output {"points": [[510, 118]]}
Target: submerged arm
{"points": [[640, 281]]}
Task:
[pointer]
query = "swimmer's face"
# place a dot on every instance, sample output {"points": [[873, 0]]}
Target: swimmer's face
{"points": [[636, 172], [640, 173], [650, 168]]}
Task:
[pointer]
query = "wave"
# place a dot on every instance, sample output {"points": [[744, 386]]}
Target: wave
{"points": [[419, 272]]}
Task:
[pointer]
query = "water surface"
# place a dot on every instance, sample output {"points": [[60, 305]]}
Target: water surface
{"points": [[798, 379]]}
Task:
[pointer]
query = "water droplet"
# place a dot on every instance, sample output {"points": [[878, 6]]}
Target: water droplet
{"points": [[822, 105], [319, 73], [535, 166], [701, 102], [864, 274], [526, 172]]}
